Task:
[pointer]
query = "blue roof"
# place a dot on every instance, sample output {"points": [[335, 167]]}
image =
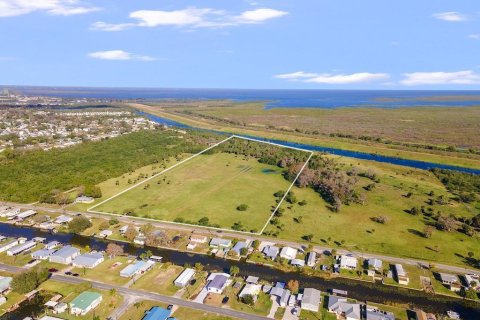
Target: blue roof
{"points": [[157, 313], [131, 269], [66, 252]]}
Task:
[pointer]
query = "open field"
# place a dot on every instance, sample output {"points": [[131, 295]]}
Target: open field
{"points": [[211, 186], [402, 151], [402, 235]]}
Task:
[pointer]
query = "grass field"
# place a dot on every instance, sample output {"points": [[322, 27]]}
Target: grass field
{"points": [[352, 228], [210, 185]]}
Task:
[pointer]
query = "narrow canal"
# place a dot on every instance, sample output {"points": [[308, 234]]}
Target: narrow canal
{"points": [[362, 291]]}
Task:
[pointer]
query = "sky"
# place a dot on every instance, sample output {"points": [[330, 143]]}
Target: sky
{"points": [[257, 44]]}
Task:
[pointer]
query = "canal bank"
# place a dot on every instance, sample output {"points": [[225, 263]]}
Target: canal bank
{"points": [[362, 291]]}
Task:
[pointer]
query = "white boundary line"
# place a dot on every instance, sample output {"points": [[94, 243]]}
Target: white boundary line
{"points": [[286, 193], [90, 210]]}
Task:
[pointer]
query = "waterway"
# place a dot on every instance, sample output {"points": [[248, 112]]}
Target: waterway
{"points": [[362, 291], [341, 152]]}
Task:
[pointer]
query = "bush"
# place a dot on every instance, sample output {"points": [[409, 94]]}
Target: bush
{"points": [[242, 207], [29, 280], [79, 224]]}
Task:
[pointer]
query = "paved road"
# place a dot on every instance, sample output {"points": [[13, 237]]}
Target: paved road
{"points": [[146, 295], [206, 231]]}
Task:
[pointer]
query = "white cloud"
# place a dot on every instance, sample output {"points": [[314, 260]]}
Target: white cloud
{"points": [[451, 16], [118, 55], [191, 17], [327, 78], [440, 78], [474, 36], [11, 8]]}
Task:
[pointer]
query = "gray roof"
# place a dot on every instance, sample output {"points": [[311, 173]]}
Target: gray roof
{"points": [[252, 279], [311, 296], [220, 242], [239, 246], [277, 291], [379, 315], [271, 251], [448, 277], [42, 253], [218, 282], [66, 252], [88, 259], [375, 263]]}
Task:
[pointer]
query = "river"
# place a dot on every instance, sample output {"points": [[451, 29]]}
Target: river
{"points": [[363, 291], [341, 152]]}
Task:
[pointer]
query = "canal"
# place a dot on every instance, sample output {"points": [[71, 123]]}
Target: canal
{"points": [[341, 152], [362, 291]]}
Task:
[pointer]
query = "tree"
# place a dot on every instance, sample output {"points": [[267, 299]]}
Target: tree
{"points": [[29, 280], [113, 221], [309, 237], [130, 233], [446, 223], [243, 251], [248, 299], [79, 224], [198, 267], [293, 286], [242, 207], [104, 225], [471, 294], [234, 270], [428, 231], [256, 244], [114, 249]]}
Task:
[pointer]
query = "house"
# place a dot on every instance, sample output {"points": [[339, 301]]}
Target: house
{"points": [[52, 245], [88, 260], [64, 255], [63, 219], [39, 239], [311, 259], [375, 264], [105, 233], [184, 278], [42, 254], [252, 280], [288, 253], [138, 267], [85, 302], [271, 252], [9, 244], [123, 229], [84, 199], [47, 225], [472, 281], [140, 240], [311, 299], [157, 313], [451, 281], [401, 275], [250, 289], [342, 308], [373, 313], [348, 262], [191, 246], [297, 262], [5, 284], [60, 308], [21, 248], [25, 214], [237, 248], [281, 294], [422, 315], [196, 238], [220, 243], [217, 282]]}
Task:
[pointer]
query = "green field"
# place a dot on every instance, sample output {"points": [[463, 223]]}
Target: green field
{"points": [[210, 185]]}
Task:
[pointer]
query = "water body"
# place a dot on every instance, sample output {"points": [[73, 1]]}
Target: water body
{"points": [[278, 98], [340, 152], [362, 291]]}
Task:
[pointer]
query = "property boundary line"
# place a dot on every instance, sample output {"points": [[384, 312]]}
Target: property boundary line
{"points": [[286, 193], [90, 210]]}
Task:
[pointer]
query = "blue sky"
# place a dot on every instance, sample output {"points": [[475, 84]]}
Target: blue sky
{"points": [[300, 44]]}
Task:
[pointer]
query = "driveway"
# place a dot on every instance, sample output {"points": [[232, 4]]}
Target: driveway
{"points": [[274, 308]]}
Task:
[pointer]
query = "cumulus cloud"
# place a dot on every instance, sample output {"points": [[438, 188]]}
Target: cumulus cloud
{"points": [[451, 16], [11, 8], [440, 78], [191, 17], [118, 55], [474, 36], [327, 78]]}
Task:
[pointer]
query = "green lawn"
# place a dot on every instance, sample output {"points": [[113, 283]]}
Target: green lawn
{"points": [[160, 279], [105, 271], [211, 186], [352, 228]]}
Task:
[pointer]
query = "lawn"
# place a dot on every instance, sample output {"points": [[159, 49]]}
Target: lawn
{"points": [[353, 229], [160, 279], [137, 311], [111, 300], [106, 272], [211, 186]]}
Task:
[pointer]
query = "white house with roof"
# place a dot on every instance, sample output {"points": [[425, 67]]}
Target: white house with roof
{"points": [[342, 308], [64, 255], [217, 282], [451, 281], [220, 243], [5, 284], [139, 267], [311, 299], [21, 248], [281, 294], [375, 264], [85, 302], [250, 289], [288, 253], [184, 278], [88, 260], [42, 254], [297, 262], [8, 244], [311, 259], [63, 219], [271, 251], [348, 262], [52, 245], [472, 281], [401, 274]]}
